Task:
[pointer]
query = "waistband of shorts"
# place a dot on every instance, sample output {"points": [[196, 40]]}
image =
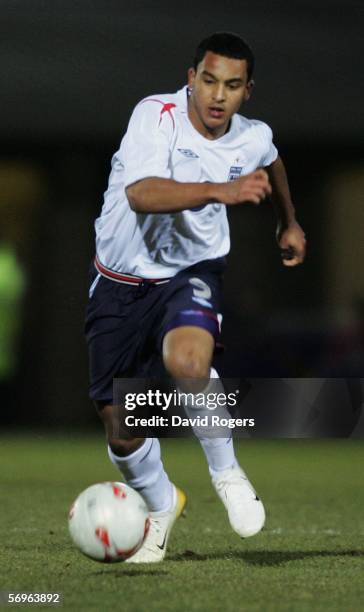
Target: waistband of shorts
{"points": [[126, 279]]}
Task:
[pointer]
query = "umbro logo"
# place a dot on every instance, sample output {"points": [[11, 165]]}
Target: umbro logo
{"points": [[188, 153]]}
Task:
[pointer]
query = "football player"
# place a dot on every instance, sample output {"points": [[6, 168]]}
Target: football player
{"points": [[161, 241]]}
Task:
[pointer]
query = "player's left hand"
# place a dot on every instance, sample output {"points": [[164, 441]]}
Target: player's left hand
{"points": [[292, 242]]}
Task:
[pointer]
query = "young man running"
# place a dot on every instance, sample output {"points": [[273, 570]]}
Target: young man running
{"points": [[161, 240]]}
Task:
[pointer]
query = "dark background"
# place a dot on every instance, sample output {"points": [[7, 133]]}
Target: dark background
{"points": [[71, 73]]}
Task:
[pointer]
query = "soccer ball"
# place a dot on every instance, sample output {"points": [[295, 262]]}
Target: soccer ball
{"points": [[108, 521]]}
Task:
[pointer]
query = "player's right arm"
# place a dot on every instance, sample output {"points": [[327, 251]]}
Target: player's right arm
{"points": [[149, 186], [160, 195]]}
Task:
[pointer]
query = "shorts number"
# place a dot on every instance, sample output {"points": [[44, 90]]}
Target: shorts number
{"points": [[201, 289]]}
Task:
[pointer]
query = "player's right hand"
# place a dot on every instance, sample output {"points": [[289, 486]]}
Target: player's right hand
{"points": [[252, 188]]}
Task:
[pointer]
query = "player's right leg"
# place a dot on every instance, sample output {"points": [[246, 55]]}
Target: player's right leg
{"points": [[139, 461], [113, 349]]}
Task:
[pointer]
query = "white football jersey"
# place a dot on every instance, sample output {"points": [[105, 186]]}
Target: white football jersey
{"points": [[161, 142]]}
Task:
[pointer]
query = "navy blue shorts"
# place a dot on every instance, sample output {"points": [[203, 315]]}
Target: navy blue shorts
{"points": [[125, 325]]}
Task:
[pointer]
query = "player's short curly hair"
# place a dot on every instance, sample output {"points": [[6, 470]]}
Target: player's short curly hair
{"points": [[227, 44]]}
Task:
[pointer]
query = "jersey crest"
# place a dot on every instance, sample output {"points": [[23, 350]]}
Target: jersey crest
{"points": [[235, 172]]}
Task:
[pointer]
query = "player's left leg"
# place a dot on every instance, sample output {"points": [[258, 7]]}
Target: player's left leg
{"points": [[187, 354]]}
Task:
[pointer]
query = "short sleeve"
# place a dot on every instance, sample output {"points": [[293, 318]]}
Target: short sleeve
{"points": [[269, 150], [147, 143]]}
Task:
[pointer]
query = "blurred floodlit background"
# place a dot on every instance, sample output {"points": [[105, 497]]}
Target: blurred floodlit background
{"points": [[71, 73]]}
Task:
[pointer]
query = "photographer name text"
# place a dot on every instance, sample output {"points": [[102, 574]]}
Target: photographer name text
{"points": [[178, 421]]}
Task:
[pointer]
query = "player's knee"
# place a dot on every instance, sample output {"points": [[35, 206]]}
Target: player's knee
{"points": [[122, 448], [188, 365], [119, 445]]}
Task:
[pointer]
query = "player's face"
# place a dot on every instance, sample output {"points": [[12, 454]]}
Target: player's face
{"points": [[219, 86]]}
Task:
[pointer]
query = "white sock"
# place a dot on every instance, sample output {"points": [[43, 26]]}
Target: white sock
{"points": [[219, 451], [143, 470], [219, 454]]}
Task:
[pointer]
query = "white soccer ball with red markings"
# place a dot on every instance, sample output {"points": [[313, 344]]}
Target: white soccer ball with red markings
{"points": [[109, 521]]}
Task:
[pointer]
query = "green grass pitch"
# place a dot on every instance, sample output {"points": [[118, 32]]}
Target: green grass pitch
{"points": [[310, 555]]}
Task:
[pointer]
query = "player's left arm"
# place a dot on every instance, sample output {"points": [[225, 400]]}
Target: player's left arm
{"points": [[290, 236]]}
